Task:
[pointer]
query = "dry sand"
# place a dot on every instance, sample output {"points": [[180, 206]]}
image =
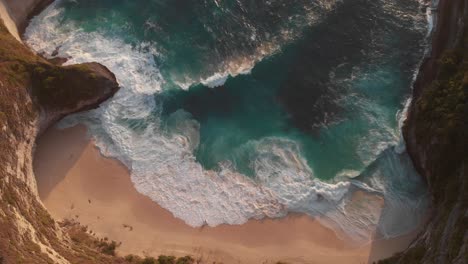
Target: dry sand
{"points": [[15, 14], [8, 20], [75, 181]]}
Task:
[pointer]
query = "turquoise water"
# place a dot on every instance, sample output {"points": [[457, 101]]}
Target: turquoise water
{"points": [[331, 87], [194, 37], [283, 92]]}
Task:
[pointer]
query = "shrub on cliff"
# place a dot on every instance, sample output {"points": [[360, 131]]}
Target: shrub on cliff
{"points": [[54, 87], [443, 111], [108, 248], [161, 260], [439, 120], [185, 260], [166, 259], [149, 260]]}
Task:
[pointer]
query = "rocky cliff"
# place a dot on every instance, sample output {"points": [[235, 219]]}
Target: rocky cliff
{"points": [[16, 13], [436, 135], [33, 95], [22, 10]]}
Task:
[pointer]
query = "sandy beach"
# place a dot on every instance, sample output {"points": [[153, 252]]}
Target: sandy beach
{"points": [[75, 181]]}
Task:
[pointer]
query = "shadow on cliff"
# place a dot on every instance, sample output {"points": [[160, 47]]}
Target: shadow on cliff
{"points": [[405, 206], [52, 162]]}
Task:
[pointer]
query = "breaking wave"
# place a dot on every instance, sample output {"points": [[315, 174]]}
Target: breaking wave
{"points": [[164, 168]]}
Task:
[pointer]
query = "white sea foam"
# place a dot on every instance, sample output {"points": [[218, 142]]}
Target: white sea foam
{"points": [[162, 163], [218, 79], [241, 65]]}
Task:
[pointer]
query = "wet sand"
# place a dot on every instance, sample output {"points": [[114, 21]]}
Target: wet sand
{"points": [[76, 182]]}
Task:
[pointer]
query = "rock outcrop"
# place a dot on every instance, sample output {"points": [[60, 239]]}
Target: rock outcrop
{"points": [[33, 95]]}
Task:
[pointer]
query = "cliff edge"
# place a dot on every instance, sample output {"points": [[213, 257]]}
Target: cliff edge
{"points": [[34, 94], [436, 135], [17, 13]]}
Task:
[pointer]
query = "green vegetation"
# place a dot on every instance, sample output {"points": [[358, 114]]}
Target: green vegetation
{"points": [[58, 87], [440, 122], [161, 260], [12, 50], [442, 128], [166, 260], [442, 111], [54, 87], [185, 260], [27, 83], [149, 260], [108, 248]]}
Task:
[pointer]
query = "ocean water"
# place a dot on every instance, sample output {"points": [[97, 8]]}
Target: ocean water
{"points": [[236, 110]]}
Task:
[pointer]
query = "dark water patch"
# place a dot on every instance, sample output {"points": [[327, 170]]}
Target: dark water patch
{"points": [[356, 34], [309, 94], [242, 110], [342, 81], [198, 37]]}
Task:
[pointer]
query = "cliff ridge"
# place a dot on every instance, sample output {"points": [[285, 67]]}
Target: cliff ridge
{"points": [[436, 136]]}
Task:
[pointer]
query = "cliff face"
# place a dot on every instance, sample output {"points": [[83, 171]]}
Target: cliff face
{"points": [[16, 14], [22, 10], [436, 135], [33, 95]]}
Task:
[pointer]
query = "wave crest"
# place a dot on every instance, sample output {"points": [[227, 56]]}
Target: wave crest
{"points": [[161, 158]]}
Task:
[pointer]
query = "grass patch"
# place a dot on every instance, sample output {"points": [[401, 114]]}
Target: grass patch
{"points": [[160, 260], [108, 248]]}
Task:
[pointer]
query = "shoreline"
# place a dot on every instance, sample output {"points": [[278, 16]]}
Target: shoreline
{"points": [[96, 191], [373, 251], [428, 67]]}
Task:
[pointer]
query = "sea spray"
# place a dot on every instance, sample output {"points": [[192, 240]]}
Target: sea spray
{"points": [[164, 149]]}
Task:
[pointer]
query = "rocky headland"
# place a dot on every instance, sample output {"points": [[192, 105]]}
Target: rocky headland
{"points": [[35, 94]]}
